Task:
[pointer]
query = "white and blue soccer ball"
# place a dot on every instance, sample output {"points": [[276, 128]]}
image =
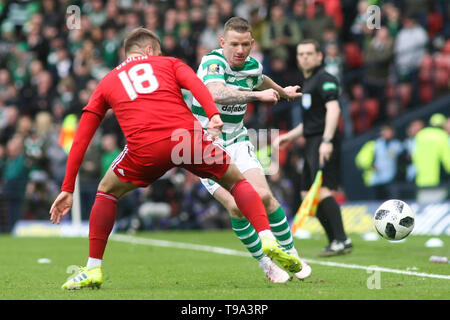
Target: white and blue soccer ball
{"points": [[394, 219]]}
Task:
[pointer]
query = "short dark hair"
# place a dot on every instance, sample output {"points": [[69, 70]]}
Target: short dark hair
{"points": [[237, 24], [315, 43], [139, 38]]}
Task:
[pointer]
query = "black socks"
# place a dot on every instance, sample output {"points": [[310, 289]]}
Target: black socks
{"points": [[329, 215]]}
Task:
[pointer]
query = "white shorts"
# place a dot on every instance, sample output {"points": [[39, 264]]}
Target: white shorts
{"points": [[243, 156]]}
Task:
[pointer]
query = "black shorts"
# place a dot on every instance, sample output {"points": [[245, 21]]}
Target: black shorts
{"points": [[331, 170]]}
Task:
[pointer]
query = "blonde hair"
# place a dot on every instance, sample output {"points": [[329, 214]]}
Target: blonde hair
{"points": [[237, 24]]}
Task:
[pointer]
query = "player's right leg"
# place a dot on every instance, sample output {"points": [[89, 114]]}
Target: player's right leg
{"points": [[250, 204], [101, 222], [217, 165], [249, 237]]}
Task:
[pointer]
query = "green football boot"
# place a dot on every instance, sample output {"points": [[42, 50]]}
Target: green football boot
{"points": [[276, 252], [85, 278]]}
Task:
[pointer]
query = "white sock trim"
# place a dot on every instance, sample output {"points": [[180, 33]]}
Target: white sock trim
{"points": [[266, 234], [93, 262]]}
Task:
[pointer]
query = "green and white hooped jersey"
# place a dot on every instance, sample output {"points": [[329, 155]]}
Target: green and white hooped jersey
{"points": [[214, 67]]}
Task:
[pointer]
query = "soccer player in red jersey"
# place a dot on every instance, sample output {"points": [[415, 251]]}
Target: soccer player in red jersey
{"points": [[145, 94]]}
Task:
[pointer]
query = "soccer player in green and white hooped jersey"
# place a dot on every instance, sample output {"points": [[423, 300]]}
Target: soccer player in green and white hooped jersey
{"points": [[232, 76]]}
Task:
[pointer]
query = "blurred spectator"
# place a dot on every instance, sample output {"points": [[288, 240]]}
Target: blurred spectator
{"points": [[280, 32], [197, 18], [8, 91], [378, 56], [418, 8], [407, 169], [110, 151], [359, 26], [432, 149], [226, 10], [152, 20], [333, 61], [244, 8], [170, 21], [279, 72], [50, 12], [96, 12], [10, 116], [111, 45], [43, 94], [17, 13], [89, 176], [299, 13], [315, 26], [378, 161], [15, 177], [363, 111], [209, 38], [392, 19], [258, 25], [171, 47], [410, 48]]}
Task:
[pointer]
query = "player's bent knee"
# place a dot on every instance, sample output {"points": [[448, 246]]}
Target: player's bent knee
{"points": [[266, 197], [230, 177], [235, 212], [113, 185]]}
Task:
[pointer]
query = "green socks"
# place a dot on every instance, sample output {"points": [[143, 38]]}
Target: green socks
{"points": [[248, 236], [280, 228]]}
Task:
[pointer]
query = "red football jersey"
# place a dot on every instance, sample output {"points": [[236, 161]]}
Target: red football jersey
{"points": [[145, 95]]}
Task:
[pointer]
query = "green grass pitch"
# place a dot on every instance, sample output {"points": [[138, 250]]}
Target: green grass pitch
{"points": [[140, 271]]}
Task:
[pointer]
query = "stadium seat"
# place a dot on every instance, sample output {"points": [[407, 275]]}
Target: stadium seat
{"points": [[353, 55], [426, 69], [372, 106], [426, 92], [442, 79], [434, 23]]}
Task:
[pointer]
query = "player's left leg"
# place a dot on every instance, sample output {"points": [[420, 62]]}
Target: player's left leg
{"points": [[101, 222], [277, 217], [250, 204], [247, 234]]}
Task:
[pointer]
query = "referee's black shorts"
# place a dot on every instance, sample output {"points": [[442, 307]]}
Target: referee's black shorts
{"points": [[331, 170]]}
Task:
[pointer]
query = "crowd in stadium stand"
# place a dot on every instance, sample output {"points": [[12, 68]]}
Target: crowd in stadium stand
{"points": [[387, 64]]}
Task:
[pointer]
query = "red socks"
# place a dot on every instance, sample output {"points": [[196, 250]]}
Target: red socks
{"points": [[250, 204], [103, 215], [101, 223]]}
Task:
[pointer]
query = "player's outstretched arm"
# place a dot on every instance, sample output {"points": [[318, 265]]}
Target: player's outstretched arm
{"points": [[187, 79], [227, 96], [87, 126], [89, 123], [289, 93]]}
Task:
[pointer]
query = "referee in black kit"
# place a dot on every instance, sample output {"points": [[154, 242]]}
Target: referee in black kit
{"points": [[320, 114]]}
